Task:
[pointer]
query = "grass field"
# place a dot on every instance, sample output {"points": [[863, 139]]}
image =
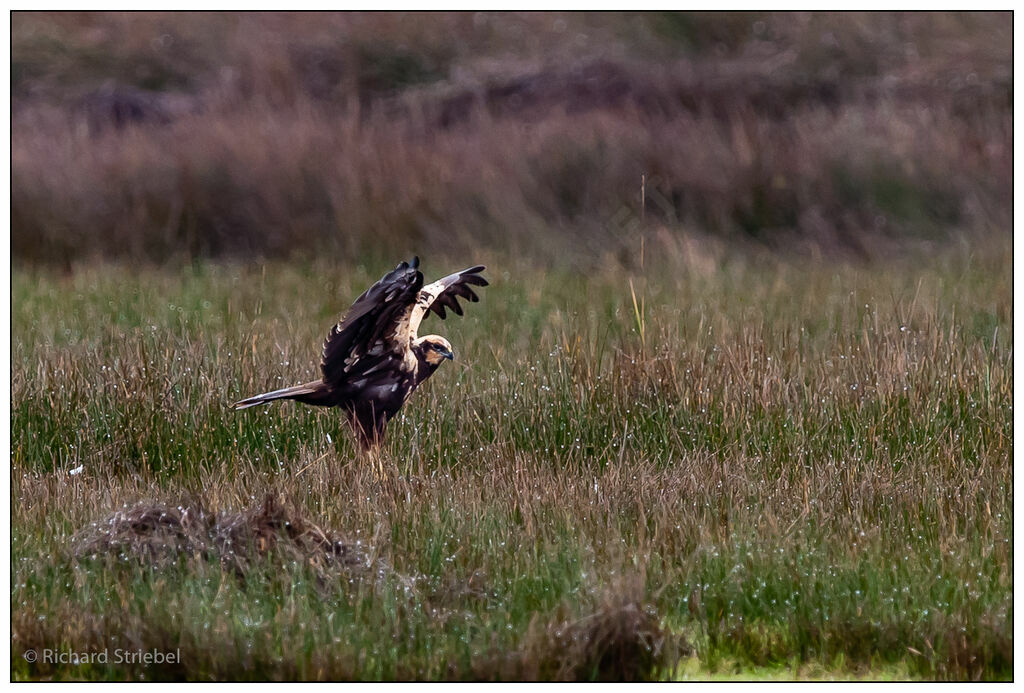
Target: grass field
{"points": [[724, 464]]}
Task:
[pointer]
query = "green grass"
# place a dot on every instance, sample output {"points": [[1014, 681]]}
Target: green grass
{"points": [[781, 469]]}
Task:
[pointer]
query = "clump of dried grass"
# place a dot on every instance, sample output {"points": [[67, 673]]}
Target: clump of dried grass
{"points": [[621, 639], [161, 534], [970, 654]]}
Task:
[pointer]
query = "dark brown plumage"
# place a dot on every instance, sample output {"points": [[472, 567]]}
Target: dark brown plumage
{"points": [[372, 360]]}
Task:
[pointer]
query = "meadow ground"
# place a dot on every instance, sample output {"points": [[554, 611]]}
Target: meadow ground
{"points": [[721, 464]]}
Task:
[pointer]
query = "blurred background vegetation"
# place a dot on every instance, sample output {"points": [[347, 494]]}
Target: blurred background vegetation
{"points": [[166, 138]]}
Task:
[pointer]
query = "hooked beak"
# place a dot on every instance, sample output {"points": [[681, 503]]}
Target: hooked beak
{"points": [[447, 354]]}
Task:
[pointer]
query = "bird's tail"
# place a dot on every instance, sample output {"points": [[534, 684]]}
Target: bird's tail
{"points": [[315, 392]]}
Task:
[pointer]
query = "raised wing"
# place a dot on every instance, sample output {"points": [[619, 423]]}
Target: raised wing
{"points": [[435, 297], [369, 336]]}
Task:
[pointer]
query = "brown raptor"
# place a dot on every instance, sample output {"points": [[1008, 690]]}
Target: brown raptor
{"points": [[373, 359]]}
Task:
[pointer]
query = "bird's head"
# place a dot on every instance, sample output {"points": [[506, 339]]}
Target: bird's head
{"points": [[433, 349]]}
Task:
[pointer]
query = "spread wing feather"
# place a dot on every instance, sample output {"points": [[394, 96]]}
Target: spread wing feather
{"points": [[444, 292], [377, 330], [440, 294], [365, 336]]}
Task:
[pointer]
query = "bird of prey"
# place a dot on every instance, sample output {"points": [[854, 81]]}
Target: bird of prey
{"points": [[373, 359]]}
